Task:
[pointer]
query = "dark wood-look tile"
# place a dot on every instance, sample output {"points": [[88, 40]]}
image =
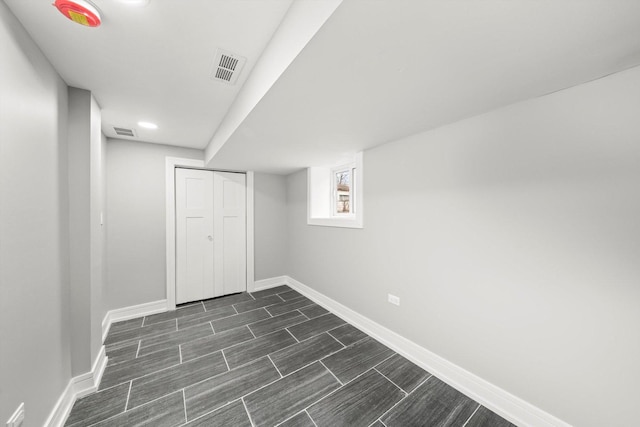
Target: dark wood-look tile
{"points": [[348, 334], [125, 325], [313, 310], [271, 291], [487, 418], [276, 323], [284, 398], [175, 378], [286, 306], [241, 307], [294, 357], [256, 348], [214, 343], [402, 372], [377, 424], [139, 333], [117, 354], [359, 403], [136, 368], [239, 320], [227, 300], [232, 415], [356, 359], [316, 326], [289, 295], [98, 406], [167, 411], [206, 317], [432, 403], [174, 338], [174, 314], [217, 391], [300, 420]]}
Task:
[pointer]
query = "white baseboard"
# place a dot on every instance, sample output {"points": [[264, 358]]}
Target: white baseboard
{"points": [[77, 387], [498, 400], [131, 312], [272, 282]]}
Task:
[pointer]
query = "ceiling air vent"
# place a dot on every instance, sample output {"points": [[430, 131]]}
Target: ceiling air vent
{"points": [[124, 131], [227, 66]]}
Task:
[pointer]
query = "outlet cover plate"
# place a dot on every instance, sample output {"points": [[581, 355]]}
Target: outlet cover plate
{"points": [[393, 299]]}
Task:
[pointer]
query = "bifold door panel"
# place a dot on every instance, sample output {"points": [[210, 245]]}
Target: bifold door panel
{"points": [[210, 234]]}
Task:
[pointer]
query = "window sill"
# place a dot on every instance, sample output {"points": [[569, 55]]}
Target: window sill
{"points": [[336, 222]]}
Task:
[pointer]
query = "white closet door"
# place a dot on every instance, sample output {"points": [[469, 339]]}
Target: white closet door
{"points": [[230, 232], [194, 235]]}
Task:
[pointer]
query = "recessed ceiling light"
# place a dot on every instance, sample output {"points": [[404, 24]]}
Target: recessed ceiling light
{"points": [[148, 125]]}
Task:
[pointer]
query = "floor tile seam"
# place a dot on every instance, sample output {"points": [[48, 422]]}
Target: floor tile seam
{"points": [[310, 363], [224, 330], [134, 408], [247, 411], [225, 360], [289, 326], [339, 326], [274, 365], [238, 314], [128, 341], [171, 334], [373, 367], [184, 405], [331, 372], [126, 403], [322, 398], [220, 349], [263, 306], [347, 345], [309, 415], [395, 404], [220, 318], [391, 381], [206, 413], [308, 318], [140, 377], [283, 303], [471, 416], [176, 339]]}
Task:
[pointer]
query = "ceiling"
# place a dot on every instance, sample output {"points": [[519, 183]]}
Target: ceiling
{"points": [[153, 63], [325, 79]]}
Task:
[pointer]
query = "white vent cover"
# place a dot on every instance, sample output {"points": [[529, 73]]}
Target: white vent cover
{"points": [[227, 66], [124, 131]]}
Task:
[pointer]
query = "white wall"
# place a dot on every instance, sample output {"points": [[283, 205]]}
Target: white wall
{"points": [[512, 240], [270, 225], [35, 363], [135, 220]]}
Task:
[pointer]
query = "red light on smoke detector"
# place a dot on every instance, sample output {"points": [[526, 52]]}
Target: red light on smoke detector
{"points": [[79, 11]]}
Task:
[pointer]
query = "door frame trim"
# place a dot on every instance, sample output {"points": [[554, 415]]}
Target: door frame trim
{"points": [[170, 203]]}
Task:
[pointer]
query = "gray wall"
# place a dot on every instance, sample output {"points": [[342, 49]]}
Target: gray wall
{"points": [[35, 363], [135, 220], [512, 240], [270, 225]]}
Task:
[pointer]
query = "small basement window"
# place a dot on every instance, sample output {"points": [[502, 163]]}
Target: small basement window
{"points": [[334, 196]]}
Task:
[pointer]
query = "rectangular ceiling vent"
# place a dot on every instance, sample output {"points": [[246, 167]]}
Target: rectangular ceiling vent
{"points": [[124, 131], [227, 66]]}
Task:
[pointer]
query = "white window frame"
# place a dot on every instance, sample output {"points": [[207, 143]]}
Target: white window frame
{"points": [[322, 197]]}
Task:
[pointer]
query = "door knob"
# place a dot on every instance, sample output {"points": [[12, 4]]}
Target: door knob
{"points": [[210, 237]]}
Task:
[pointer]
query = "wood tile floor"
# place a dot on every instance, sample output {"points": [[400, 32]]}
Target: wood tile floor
{"points": [[264, 359]]}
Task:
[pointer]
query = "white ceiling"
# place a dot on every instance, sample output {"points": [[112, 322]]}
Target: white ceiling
{"points": [[153, 63], [380, 70], [374, 72]]}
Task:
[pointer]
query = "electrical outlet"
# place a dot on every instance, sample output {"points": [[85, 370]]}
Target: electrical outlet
{"points": [[17, 418], [393, 299]]}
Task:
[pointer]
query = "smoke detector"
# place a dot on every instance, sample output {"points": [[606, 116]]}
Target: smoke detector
{"points": [[79, 11], [227, 66]]}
